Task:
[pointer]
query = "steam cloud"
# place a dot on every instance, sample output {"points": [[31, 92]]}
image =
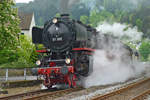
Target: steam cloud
{"points": [[66, 4], [120, 30], [113, 62], [132, 4]]}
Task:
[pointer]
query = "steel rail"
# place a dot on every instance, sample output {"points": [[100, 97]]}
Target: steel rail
{"points": [[113, 93], [142, 96], [51, 94], [21, 95]]}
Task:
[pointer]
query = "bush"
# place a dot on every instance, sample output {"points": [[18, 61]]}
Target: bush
{"points": [[7, 55], [145, 50], [9, 28], [27, 51], [25, 55]]}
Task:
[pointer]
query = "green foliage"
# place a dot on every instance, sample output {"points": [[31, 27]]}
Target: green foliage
{"points": [[148, 57], [145, 50], [57, 15], [123, 5], [139, 23], [124, 11], [94, 12], [41, 20], [27, 51], [40, 46], [131, 45], [96, 17], [7, 55], [79, 10], [46, 9], [9, 29], [15, 50], [43, 10], [26, 54], [84, 19]]}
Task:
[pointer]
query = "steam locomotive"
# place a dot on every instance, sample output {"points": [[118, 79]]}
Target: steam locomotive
{"points": [[70, 45], [69, 48]]}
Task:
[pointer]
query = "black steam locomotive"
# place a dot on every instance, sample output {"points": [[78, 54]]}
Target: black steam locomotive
{"points": [[69, 48]]}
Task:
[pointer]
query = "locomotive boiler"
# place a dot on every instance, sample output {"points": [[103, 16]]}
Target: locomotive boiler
{"points": [[69, 45]]}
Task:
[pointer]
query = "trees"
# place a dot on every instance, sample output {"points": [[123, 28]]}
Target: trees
{"points": [[27, 55], [133, 12], [124, 11], [96, 17], [84, 19], [139, 23], [78, 10], [145, 50], [15, 50], [9, 29], [43, 10], [46, 9]]}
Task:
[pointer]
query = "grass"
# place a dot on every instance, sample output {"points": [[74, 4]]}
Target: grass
{"points": [[14, 72], [16, 65], [15, 69], [2, 72]]}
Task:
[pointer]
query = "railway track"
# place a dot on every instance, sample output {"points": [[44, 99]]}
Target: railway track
{"points": [[128, 92], [22, 95], [142, 96], [39, 94], [52, 95]]}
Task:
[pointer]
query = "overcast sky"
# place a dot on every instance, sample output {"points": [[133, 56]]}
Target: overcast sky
{"points": [[22, 1]]}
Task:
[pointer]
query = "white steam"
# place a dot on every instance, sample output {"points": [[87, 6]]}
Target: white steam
{"points": [[112, 62], [72, 2], [108, 71], [120, 30], [132, 4], [65, 5]]}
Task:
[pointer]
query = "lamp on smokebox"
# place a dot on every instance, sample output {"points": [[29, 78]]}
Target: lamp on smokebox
{"points": [[67, 60], [55, 20], [38, 62]]}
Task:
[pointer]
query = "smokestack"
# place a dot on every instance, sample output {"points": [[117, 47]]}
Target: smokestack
{"points": [[65, 15], [65, 5]]}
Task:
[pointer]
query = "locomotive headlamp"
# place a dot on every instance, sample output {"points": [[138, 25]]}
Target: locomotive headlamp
{"points": [[55, 20], [38, 62], [67, 61]]}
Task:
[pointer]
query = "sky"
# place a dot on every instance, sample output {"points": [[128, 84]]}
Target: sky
{"points": [[23, 1]]}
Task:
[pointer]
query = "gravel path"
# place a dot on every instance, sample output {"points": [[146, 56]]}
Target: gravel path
{"points": [[87, 94], [20, 90], [148, 98], [132, 92]]}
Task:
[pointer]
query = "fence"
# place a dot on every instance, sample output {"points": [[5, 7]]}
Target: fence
{"points": [[16, 74]]}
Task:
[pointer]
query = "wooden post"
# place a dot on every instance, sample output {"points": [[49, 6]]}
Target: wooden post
{"points": [[25, 73], [6, 78]]}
